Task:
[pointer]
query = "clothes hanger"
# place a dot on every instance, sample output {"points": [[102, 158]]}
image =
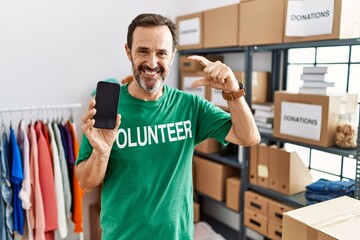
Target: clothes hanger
{"points": [[10, 117], [71, 118]]}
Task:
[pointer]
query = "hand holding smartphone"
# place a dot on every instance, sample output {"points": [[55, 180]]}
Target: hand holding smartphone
{"points": [[107, 99]]}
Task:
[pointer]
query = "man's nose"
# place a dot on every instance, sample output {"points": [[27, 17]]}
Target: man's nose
{"points": [[152, 60]]}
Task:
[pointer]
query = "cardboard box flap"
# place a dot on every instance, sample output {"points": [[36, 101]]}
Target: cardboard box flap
{"points": [[338, 218], [337, 227]]}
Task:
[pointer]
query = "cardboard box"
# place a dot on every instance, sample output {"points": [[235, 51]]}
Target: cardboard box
{"points": [[274, 230], [261, 22], [233, 186], [255, 221], [196, 212], [211, 177], [287, 172], [263, 165], [95, 231], [259, 85], [259, 88], [221, 26], [256, 203], [338, 218], [346, 22], [190, 31], [307, 118], [187, 65], [185, 84], [208, 146], [276, 211], [253, 161]]}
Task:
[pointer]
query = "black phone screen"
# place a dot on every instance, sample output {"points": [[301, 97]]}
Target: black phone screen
{"points": [[107, 99]]}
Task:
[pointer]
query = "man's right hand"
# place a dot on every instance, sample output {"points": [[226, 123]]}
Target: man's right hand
{"points": [[100, 139]]}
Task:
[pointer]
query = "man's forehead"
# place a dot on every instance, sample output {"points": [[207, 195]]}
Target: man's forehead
{"points": [[152, 35]]}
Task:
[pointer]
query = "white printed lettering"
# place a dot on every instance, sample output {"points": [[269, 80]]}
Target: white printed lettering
{"points": [[121, 131], [187, 127], [147, 135], [141, 143], [131, 144], [179, 131], [153, 134], [162, 127], [171, 131]]}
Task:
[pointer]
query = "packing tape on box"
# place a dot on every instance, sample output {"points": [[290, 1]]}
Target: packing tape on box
{"points": [[314, 230]]}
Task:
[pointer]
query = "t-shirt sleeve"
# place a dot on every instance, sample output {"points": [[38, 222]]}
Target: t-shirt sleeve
{"points": [[212, 122], [85, 150]]}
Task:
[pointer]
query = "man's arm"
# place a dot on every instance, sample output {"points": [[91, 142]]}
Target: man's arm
{"points": [[219, 76], [244, 131], [91, 172]]}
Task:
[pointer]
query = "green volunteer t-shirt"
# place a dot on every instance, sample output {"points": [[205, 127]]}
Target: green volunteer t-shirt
{"points": [[147, 190]]}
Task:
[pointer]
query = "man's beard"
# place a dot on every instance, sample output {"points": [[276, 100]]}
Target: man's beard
{"points": [[144, 82]]}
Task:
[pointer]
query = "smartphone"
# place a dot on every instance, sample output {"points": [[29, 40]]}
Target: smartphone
{"points": [[107, 99]]}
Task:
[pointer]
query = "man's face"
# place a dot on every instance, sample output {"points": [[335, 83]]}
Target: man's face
{"points": [[151, 56]]}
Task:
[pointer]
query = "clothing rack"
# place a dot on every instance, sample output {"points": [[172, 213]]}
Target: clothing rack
{"points": [[40, 107], [70, 106]]}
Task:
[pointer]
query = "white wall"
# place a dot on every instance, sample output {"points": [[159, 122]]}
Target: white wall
{"points": [[54, 52]]}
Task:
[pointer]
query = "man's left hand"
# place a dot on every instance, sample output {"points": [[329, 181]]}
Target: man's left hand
{"points": [[217, 75]]}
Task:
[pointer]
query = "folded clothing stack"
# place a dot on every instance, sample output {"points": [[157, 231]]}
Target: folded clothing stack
{"points": [[324, 189]]}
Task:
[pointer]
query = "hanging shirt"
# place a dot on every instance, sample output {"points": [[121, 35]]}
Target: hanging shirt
{"points": [[70, 161], [25, 191], [65, 145], [16, 179], [2, 205], [78, 192], [37, 215], [47, 185], [147, 190], [6, 190], [64, 170], [59, 189]]}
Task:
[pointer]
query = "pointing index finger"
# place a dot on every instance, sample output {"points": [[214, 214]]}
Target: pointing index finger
{"points": [[203, 61]]}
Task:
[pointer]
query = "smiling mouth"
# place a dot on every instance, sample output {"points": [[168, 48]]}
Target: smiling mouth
{"points": [[150, 72]]}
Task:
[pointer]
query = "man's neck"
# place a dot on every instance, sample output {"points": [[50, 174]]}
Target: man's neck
{"points": [[137, 92]]}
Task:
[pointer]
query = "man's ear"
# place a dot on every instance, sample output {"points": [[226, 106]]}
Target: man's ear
{"points": [[128, 52]]}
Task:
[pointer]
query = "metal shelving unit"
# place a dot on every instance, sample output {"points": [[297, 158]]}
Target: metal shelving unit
{"points": [[278, 76], [231, 160], [333, 149], [296, 200], [279, 73]]}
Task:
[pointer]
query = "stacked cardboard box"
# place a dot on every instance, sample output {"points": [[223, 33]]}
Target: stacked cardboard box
{"points": [[338, 218], [255, 212], [264, 215], [310, 118], [233, 185], [261, 22], [275, 217], [309, 15], [211, 177], [190, 31]]}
